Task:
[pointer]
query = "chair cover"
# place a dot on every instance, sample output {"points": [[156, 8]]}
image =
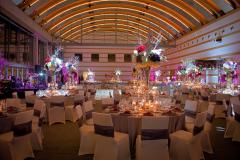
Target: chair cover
{"points": [[202, 106], [88, 109], [234, 100], [153, 141], [71, 110], [190, 111], [14, 102], [107, 102], [115, 144], [233, 125], [186, 145], [56, 111], [87, 139], [37, 134], [21, 147], [206, 140], [30, 100], [29, 93], [6, 137], [14, 95]]}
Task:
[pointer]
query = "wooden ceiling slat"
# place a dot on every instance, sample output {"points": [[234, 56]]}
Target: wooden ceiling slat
{"points": [[118, 21], [104, 28], [165, 20], [26, 3], [89, 27], [138, 16]]}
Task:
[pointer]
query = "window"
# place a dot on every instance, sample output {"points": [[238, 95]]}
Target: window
{"points": [[127, 58], [79, 55], [95, 57], [111, 58]]}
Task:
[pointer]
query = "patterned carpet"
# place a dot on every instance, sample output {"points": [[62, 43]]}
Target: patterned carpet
{"points": [[61, 142]]}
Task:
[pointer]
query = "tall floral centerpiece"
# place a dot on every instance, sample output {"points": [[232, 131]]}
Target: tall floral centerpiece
{"points": [[148, 57], [72, 69], [229, 68], [53, 64], [2, 64], [188, 68]]}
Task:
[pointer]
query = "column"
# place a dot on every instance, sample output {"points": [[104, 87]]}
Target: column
{"points": [[17, 72], [35, 50], [22, 74], [12, 72]]}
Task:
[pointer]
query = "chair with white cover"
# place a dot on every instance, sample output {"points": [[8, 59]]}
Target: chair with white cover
{"points": [[107, 102], [30, 100], [14, 102], [186, 145], [56, 111], [87, 112], [234, 100], [71, 110], [14, 95], [233, 125], [21, 146], [206, 139], [87, 138], [220, 97], [6, 137], [153, 141], [38, 117], [202, 106], [109, 144], [29, 93], [190, 110]]}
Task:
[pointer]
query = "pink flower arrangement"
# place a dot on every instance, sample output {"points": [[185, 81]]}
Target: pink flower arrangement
{"points": [[141, 48]]}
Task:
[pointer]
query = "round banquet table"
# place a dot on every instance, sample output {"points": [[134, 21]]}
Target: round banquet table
{"points": [[131, 124]]}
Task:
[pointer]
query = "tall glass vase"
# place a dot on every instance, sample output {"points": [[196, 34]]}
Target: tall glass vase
{"points": [[229, 80], [147, 74]]}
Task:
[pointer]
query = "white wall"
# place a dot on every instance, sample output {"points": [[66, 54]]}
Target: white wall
{"points": [[103, 66], [200, 44]]}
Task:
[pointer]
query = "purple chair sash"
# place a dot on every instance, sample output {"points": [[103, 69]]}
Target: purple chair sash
{"points": [[197, 130], [6, 124], [178, 102], [80, 122], [154, 134], [190, 113], [88, 114], [36, 113], [210, 117], [29, 105], [78, 102], [57, 104], [204, 98], [107, 131], [219, 103], [22, 129], [237, 117], [40, 121]]}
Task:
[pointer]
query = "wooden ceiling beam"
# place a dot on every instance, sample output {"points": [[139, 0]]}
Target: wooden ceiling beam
{"points": [[144, 11], [129, 15]]}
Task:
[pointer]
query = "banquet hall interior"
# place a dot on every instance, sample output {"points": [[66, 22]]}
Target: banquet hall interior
{"points": [[119, 79]]}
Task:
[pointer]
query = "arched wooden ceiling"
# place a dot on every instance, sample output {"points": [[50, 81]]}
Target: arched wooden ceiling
{"points": [[173, 18]]}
